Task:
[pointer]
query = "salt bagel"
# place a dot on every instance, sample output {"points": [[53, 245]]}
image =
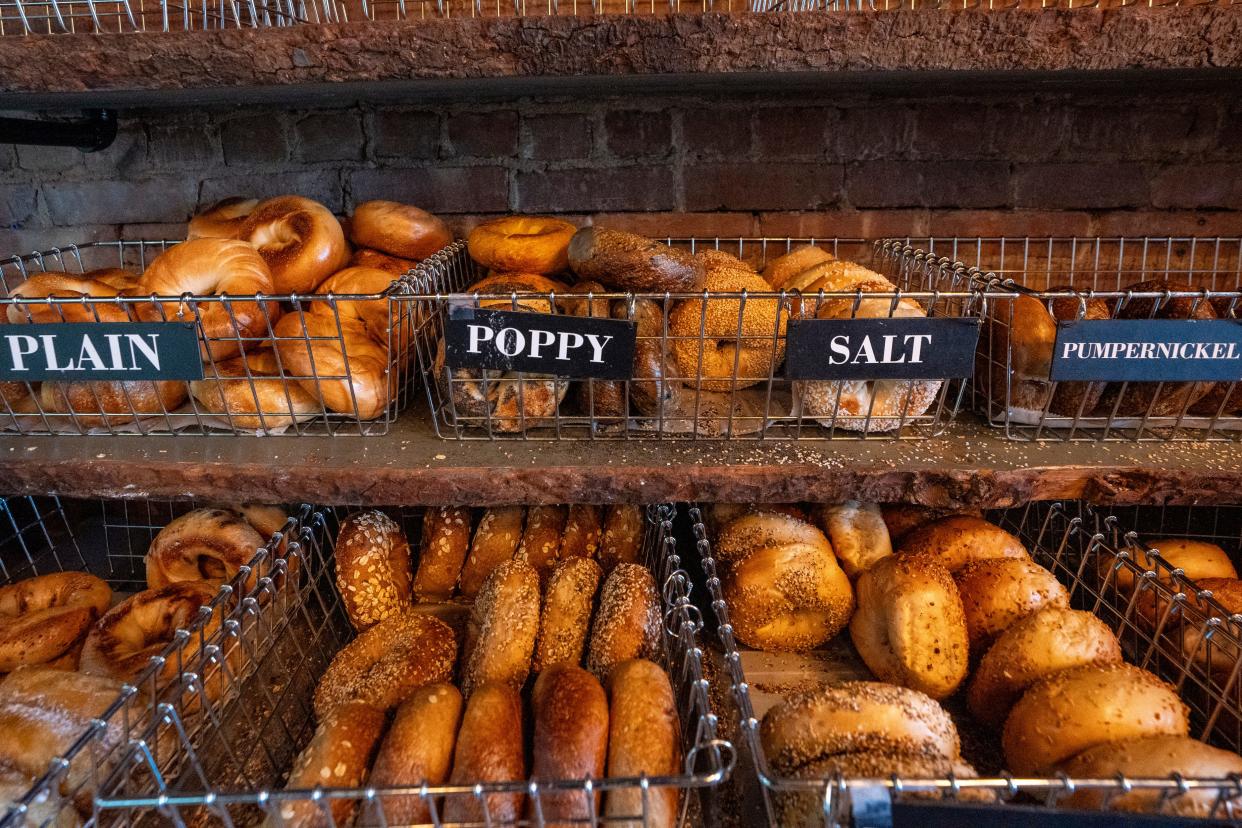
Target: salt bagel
{"points": [[227, 268], [299, 239], [910, 627], [337, 361], [44, 617], [855, 717], [957, 540], [387, 661], [998, 592], [250, 392], [111, 402], [627, 261], [110, 283], [202, 545], [724, 344], [522, 244], [222, 220], [129, 635], [398, 229]]}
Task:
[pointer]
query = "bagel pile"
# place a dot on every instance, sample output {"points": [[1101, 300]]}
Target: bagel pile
{"points": [[446, 650], [267, 364], [66, 651], [943, 603]]}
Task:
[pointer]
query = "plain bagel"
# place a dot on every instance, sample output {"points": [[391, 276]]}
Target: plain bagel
{"points": [[522, 244], [398, 229]]}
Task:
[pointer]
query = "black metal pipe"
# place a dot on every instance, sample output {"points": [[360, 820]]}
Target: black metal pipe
{"points": [[95, 131]]}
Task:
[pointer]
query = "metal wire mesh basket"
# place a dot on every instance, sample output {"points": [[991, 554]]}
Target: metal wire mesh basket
{"points": [[732, 400], [38, 17], [1093, 278], [1086, 552], [109, 539], [232, 768], [259, 377]]}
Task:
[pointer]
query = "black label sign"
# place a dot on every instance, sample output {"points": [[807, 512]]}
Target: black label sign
{"points": [[563, 346], [1148, 350], [72, 351], [872, 349]]}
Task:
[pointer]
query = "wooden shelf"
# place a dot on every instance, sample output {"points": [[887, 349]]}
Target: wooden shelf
{"points": [[465, 55], [410, 465]]}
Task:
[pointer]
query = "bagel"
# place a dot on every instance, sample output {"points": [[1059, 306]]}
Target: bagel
{"points": [[495, 541], [903, 518], [1070, 711], [392, 265], [44, 810], [957, 540], [781, 270], [541, 538], [203, 545], [728, 344], [998, 592], [388, 661], [212, 267], [570, 712], [522, 244], [644, 739], [45, 617], [1045, 642], [442, 553], [113, 402], [1221, 655], [1196, 559], [417, 750], [910, 627], [856, 717], [654, 389], [862, 405], [250, 392], [490, 748], [627, 624], [566, 615], [857, 532], [782, 582], [123, 642], [108, 283], [1156, 757], [358, 281], [222, 220], [506, 617], [627, 261], [301, 241], [372, 568], [336, 361], [398, 229], [622, 541]]}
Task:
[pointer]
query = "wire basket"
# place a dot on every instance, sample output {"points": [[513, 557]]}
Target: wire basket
{"points": [[738, 401], [232, 771], [40, 17], [1092, 278], [1085, 551], [109, 539], [295, 382]]}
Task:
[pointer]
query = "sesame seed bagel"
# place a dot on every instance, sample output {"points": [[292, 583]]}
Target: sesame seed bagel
{"points": [[387, 661], [910, 627], [1044, 642], [506, 617], [711, 336], [372, 568], [855, 717], [782, 582], [628, 622], [45, 617], [542, 537], [956, 540], [1073, 710], [998, 592], [528, 244]]}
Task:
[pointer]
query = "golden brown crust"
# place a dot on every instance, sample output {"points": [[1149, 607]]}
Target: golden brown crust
{"points": [[566, 616], [910, 627], [202, 545], [582, 533], [387, 662], [114, 402], [251, 392], [542, 537], [222, 220], [1070, 711], [997, 593], [903, 518], [628, 622], [398, 229], [490, 748], [643, 740], [337, 361], [627, 261], [417, 750], [95, 284], [525, 244], [45, 617], [570, 711], [506, 615], [300, 239], [958, 539], [495, 541], [622, 540], [392, 265], [374, 314], [1197, 559], [372, 568], [1042, 643], [854, 717], [445, 542], [784, 268]]}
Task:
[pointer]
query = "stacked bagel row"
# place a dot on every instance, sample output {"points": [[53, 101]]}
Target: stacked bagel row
{"points": [[934, 607], [68, 646], [436, 688], [685, 346], [267, 363]]}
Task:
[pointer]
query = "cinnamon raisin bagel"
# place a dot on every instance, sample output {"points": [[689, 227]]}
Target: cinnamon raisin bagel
{"points": [[43, 618], [783, 584], [522, 244], [910, 627], [398, 229], [202, 545], [299, 239]]}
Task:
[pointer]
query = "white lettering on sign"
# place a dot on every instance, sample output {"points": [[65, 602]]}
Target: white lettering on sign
{"points": [[512, 342], [20, 347], [90, 357], [895, 349], [1149, 350]]}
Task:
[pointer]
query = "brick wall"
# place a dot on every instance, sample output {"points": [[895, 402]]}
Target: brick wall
{"points": [[850, 166]]}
